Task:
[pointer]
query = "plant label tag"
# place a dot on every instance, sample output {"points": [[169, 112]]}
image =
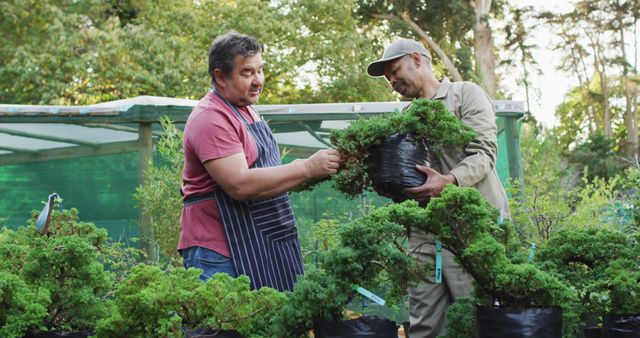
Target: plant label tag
{"points": [[438, 262], [532, 252], [369, 295]]}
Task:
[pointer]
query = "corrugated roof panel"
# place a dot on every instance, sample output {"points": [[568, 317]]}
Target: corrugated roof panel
{"points": [[70, 131], [28, 144]]}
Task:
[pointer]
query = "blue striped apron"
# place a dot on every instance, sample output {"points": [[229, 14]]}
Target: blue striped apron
{"points": [[262, 234]]}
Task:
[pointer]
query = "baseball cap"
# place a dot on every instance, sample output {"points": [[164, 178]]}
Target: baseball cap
{"points": [[399, 48]]}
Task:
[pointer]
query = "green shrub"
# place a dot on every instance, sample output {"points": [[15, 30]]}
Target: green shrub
{"points": [[158, 196], [21, 307], [461, 319], [151, 302], [623, 286], [62, 269], [600, 264], [367, 252], [466, 224]]}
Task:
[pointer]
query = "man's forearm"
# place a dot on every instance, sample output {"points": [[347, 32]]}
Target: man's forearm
{"points": [[262, 183]]}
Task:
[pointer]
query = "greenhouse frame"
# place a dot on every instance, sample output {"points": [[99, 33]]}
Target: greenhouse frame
{"points": [[31, 134]]}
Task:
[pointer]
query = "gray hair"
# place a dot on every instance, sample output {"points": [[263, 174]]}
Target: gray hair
{"points": [[226, 47]]}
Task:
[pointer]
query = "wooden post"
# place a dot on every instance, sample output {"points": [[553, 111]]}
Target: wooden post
{"points": [[145, 157]]}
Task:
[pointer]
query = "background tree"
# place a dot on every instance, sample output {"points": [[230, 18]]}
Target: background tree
{"points": [[449, 28], [519, 23], [66, 52], [593, 38]]}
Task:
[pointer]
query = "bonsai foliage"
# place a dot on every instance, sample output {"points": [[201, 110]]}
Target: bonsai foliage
{"points": [[623, 286], [369, 254], [63, 272], [428, 121], [630, 194], [467, 226], [21, 307], [602, 266], [156, 303], [460, 319]]}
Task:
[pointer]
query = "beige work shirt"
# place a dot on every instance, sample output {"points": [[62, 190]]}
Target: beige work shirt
{"points": [[475, 165]]}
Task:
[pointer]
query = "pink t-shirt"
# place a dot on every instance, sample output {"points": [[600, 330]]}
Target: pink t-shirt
{"points": [[212, 131]]}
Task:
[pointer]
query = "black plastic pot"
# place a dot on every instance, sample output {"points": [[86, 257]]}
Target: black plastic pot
{"points": [[364, 327], [592, 332], [395, 162], [499, 322], [621, 326], [206, 333]]}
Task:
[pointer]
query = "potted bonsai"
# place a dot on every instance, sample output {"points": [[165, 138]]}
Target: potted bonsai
{"points": [[622, 318], [466, 224], [53, 280], [368, 253], [381, 152], [151, 302], [602, 266]]}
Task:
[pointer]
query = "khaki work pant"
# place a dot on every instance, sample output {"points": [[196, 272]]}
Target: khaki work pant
{"points": [[428, 301]]}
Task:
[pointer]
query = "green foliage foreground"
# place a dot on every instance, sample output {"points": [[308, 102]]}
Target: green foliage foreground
{"points": [[601, 265], [155, 303], [368, 253], [69, 288], [464, 222], [466, 225], [57, 281]]}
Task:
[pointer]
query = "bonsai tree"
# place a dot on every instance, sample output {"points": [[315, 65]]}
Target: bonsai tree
{"points": [[61, 269], [151, 302], [21, 307], [426, 120], [623, 287], [600, 264], [466, 224], [368, 253]]}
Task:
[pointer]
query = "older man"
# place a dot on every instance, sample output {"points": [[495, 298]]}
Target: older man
{"points": [[406, 64], [237, 216]]}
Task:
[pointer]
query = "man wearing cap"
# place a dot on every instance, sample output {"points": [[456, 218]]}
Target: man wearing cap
{"points": [[406, 64]]}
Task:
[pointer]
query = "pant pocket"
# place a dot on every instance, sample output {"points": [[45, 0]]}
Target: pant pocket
{"points": [[211, 262]]}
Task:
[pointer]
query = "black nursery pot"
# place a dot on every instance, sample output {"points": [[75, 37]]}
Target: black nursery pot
{"points": [[208, 333], [499, 322], [367, 326], [621, 326], [395, 162], [592, 332]]}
